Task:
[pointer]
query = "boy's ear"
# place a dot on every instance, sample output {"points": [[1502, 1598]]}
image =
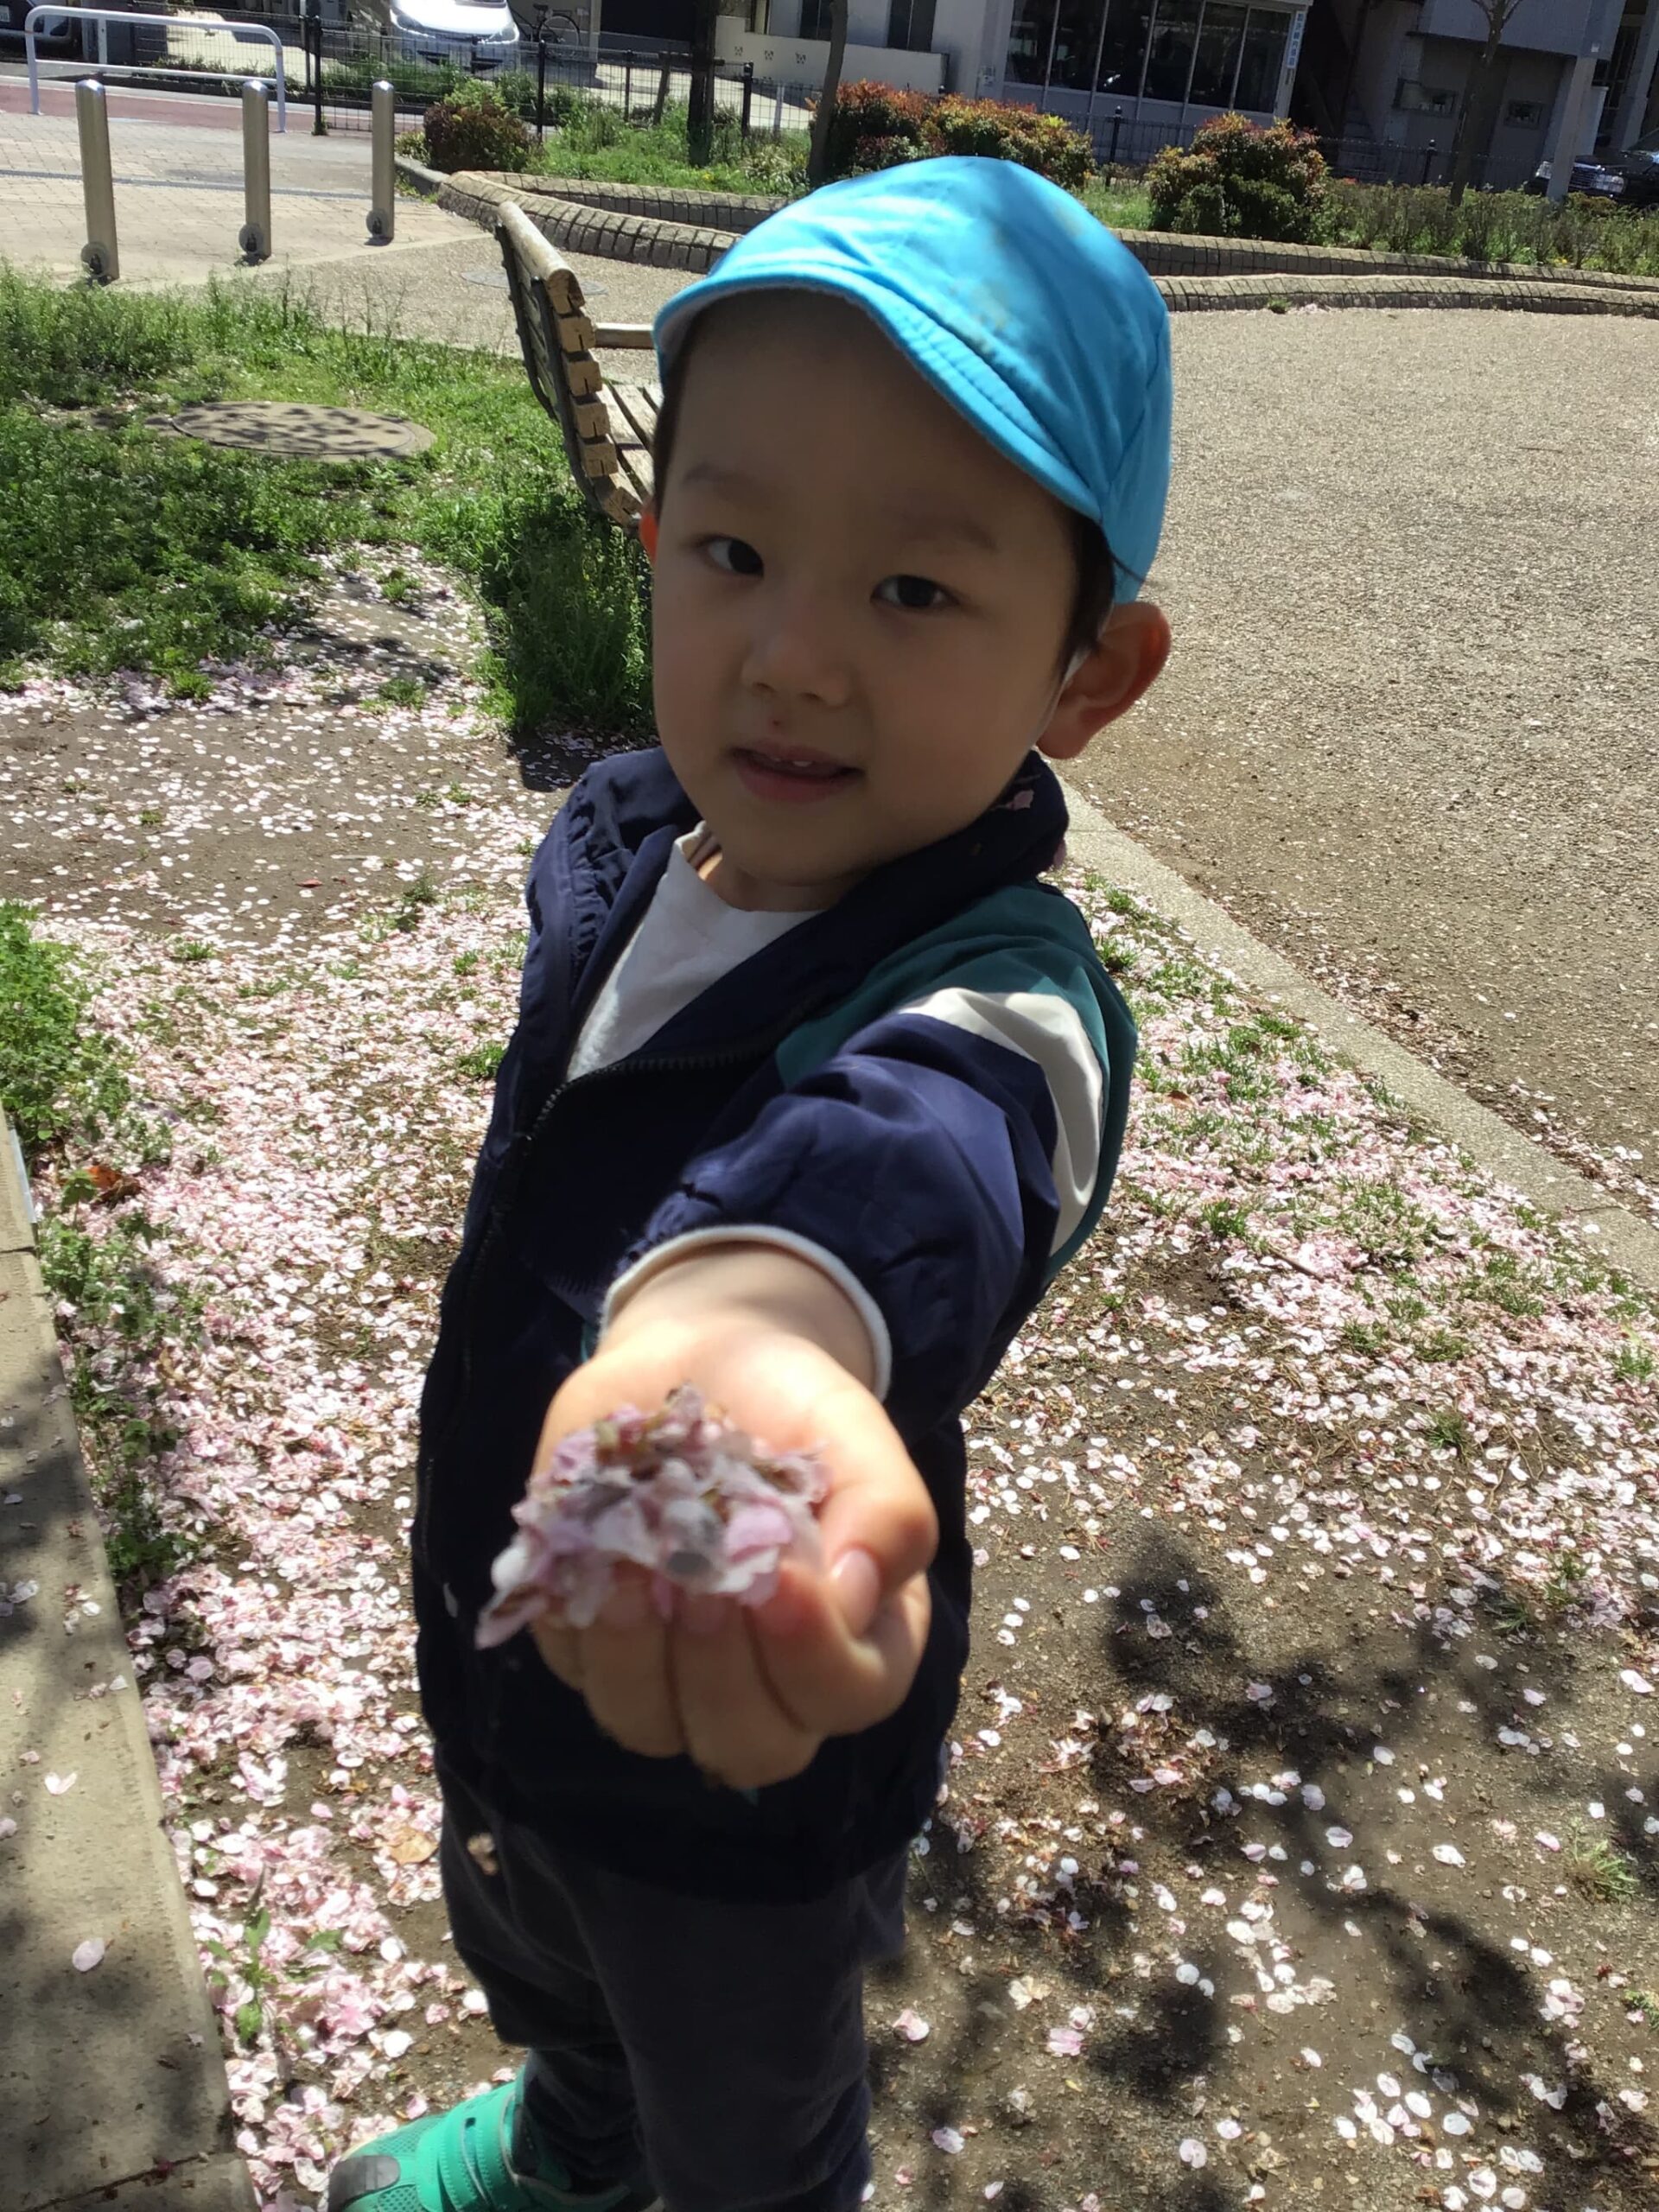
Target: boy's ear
{"points": [[648, 533], [1122, 668]]}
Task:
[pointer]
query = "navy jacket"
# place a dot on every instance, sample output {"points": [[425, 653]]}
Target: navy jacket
{"points": [[847, 1084]]}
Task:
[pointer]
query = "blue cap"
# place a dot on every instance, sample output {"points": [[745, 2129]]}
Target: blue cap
{"points": [[1014, 302]]}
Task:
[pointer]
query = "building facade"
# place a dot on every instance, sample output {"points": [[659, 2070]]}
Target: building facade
{"points": [[1394, 78], [1160, 66], [1387, 84]]}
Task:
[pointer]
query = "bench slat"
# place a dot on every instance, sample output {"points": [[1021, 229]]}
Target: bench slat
{"points": [[639, 405]]}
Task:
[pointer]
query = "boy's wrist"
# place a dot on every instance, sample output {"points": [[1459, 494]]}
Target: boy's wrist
{"points": [[734, 1288]]}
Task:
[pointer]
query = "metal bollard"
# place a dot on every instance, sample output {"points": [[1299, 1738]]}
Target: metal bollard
{"points": [[254, 237], [382, 167], [100, 253]]}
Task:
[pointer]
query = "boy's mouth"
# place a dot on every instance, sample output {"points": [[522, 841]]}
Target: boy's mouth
{"points": [[795, 776]]}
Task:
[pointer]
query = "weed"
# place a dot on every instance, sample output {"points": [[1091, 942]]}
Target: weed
{"points": [[1644, 2002], [1224, 1218], [149, 817], [397, 587], [482, 1063], [1366, 1338], [1598, 1871], [465, 963], [252, 1974], [1448, 1431], [189, 950], [1634, 1362], [1438, 1345], [417, 896], [403, 691]]}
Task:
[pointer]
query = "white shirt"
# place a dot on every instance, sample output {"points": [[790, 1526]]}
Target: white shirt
{"points": [[686, 939]]}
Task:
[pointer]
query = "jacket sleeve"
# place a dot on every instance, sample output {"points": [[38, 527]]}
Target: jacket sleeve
{"points": [[947, 1154]]}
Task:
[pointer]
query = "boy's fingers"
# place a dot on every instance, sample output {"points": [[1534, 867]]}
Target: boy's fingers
{"points": [[833, 1682], [625, 1678], [735, 1728], [561, 1649]]}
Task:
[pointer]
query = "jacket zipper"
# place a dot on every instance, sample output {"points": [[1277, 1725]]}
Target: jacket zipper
{"points": [[513, 1175]]}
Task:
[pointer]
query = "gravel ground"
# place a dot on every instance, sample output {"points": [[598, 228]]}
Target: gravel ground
{"points": [[456, 292], [1302, 1834], [1407, 732]]}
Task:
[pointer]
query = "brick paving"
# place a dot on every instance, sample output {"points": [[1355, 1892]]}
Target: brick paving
{"points": [[178, 196]]}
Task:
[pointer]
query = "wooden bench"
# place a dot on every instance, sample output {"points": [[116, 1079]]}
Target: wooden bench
{"points": [[608, 429]]}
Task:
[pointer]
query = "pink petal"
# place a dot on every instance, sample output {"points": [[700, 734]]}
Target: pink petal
{"points": [[86, 1956]]}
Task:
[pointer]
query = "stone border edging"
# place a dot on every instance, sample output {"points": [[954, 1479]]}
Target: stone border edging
{"points": [[589, 230], [737, 211], [96, 1861], [1170, 253], [618, 235], [1184, 295], [1602, 1229]]}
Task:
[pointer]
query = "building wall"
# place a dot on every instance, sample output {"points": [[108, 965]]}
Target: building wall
{"points": [[1546, 26]]}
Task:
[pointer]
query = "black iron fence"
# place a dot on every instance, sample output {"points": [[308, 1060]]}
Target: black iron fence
{"points": [[329, 70]]}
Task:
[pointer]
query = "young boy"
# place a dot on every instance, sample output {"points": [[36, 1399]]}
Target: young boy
{"points": [[813, 1088]]}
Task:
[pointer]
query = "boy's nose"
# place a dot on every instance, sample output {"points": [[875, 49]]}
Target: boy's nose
{"points": [[794, 653]]}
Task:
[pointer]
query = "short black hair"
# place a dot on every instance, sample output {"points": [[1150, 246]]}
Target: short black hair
{"points": [[1096, 589]]}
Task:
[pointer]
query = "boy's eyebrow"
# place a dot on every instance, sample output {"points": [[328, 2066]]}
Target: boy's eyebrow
{"points": [[916, 523]]}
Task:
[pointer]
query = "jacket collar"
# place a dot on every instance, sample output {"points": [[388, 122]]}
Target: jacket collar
{"points": [[633, 809]]}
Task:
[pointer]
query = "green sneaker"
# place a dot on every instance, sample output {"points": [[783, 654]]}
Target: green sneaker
{"points": [[463, 2161]]}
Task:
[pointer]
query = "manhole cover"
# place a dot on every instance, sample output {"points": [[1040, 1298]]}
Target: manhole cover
{"points": [[298, 432]]}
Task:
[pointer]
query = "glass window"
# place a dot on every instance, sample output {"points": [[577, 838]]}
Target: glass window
{"points": [[1028, 37], [1124, 52], [910, 26], [1220, 41], [1262, 63], [1075, 43], [1174, 35], [815, 18]]}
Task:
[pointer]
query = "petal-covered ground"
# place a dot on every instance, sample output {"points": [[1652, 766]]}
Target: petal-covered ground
{"points": [[1302, 1838]]}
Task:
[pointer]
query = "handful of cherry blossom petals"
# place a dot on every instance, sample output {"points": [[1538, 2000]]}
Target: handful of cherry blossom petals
{"points": [[694, 1503]]}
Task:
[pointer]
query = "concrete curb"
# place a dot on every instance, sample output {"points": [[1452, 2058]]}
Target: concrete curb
{"points": [[113, 2088], [1597, 1222], [427, 182]]}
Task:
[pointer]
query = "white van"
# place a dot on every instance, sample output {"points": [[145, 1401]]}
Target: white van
{"points": [[475, 33]]}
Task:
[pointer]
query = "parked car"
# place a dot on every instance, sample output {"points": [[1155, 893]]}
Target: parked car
{"points": [[479, 34], [1588, 177], [1639, 166]]}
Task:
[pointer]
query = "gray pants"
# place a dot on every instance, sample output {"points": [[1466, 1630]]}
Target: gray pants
{"points": [[714, 2048]]}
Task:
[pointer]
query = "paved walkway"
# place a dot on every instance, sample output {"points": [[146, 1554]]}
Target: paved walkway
{"points": [[178, 193]]}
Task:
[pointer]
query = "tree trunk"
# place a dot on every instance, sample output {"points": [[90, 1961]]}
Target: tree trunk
{"points": [[700, 110], [1475, 136], [817, 165]]}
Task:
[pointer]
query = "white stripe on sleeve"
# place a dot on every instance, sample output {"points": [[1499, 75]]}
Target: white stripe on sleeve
{"points": [[1045, 1027]]}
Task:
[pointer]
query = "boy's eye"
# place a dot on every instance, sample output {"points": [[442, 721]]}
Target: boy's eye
{"points": [[735, 555], [917, 595]]}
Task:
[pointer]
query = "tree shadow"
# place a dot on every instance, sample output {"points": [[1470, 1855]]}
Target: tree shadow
{"points": [[1456, 1988]]}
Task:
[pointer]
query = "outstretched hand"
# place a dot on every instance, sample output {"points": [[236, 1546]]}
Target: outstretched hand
{"points": [[750, 1692]]}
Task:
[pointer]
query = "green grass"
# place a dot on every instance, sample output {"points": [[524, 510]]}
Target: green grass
{"points": [[66, 1087], [1492, 226], [130, 549], [61, 1081]]}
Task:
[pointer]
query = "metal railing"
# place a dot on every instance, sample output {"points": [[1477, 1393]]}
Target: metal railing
{"points": [[242, 33]]}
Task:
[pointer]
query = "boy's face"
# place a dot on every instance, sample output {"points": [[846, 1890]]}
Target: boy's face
{"points": [[858, 605]]}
